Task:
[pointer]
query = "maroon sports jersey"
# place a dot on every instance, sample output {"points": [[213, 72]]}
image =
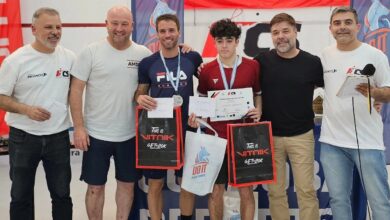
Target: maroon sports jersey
{"points": [[210, 79]]}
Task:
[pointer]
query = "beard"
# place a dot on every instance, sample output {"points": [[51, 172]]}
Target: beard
{"points": [[284, 47]]}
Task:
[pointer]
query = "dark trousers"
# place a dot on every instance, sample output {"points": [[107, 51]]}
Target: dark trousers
{"points": [[25, 153]]}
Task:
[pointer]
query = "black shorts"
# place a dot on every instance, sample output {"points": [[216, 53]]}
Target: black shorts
{"points": [[160, 174], [96, 161], [222, 177]]}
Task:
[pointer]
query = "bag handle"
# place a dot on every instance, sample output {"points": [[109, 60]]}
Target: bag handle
{"points": [[200, 121]]}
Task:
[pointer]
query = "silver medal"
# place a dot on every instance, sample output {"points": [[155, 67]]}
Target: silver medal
{"points": [[177, 100]]}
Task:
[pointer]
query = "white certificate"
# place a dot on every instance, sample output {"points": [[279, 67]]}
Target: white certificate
{"points": [[57, 111], [164, 108], [202, 106], [231, 104]]}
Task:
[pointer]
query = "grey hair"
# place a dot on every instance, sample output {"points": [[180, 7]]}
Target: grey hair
{"points": [[44, 10]]}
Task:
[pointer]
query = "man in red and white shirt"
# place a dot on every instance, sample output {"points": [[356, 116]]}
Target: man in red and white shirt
{"points": [[229, 71]]}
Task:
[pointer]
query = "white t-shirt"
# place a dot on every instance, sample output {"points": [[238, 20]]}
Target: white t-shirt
{"points": [[111, 78], [38, 79], [338, 124]]}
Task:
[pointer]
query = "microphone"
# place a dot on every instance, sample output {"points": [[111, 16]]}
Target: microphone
{"points": [[368, 70]]}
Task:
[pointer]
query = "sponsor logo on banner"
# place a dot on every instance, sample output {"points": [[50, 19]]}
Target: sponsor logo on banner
{"points": [[201, 162]]}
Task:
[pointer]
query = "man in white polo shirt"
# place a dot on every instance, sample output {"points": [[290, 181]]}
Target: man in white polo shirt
{"points": [[34, 90]]}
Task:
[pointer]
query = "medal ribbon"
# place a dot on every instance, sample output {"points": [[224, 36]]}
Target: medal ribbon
{"points": [[223, 74], [170, 76]]}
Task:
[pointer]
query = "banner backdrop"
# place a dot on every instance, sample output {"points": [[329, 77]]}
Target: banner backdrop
{"points": [[145, 14], [10, 40], [204, 4], [374, 16]]}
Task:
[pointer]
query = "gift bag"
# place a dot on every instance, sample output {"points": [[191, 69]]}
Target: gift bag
{"points": [[231, 204], [203, 160], [250, 154], [159, 141]]}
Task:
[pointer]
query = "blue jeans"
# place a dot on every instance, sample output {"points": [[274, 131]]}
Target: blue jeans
{"points": [[25, 153], [338, 164]]}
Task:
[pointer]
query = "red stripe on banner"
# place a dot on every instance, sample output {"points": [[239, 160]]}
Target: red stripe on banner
{"points": [[10, 39], [254, 4], [75, 25], [10, 31]]}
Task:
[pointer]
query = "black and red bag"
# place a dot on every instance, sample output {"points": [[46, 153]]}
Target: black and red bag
{"points": [[159, 141], [250, 154]]}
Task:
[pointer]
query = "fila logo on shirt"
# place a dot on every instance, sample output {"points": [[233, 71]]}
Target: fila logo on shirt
{"points": [[62, 73], [163, 75]]}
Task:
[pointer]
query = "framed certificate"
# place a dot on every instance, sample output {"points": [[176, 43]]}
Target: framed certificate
{"points": [[231, 104]]}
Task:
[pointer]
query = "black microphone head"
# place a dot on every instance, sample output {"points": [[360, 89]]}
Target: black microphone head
{"points": [[368, 70]]}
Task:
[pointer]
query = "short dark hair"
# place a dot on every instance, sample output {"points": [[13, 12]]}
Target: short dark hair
{"points": [[168, 17], [283, 17], [225, 28], [344, 9]]}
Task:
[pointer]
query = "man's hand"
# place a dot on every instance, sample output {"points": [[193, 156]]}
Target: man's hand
{"points": [[192, 121], [147, 102], [37, 113], [81, 139], [254, 114], [200, 67], [378, 106], [363, 88], [185, 48]]}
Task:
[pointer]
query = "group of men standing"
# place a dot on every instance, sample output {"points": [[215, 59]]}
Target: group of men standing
{"points": [[34, 88]]}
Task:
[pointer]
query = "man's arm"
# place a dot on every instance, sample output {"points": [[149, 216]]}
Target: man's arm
{"points": [[259, 104], [143, 99], [381, 94], [33, 112], [81, 138]]}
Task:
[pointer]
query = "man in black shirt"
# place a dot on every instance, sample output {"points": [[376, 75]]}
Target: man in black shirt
{"points": [[289, 77]]}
